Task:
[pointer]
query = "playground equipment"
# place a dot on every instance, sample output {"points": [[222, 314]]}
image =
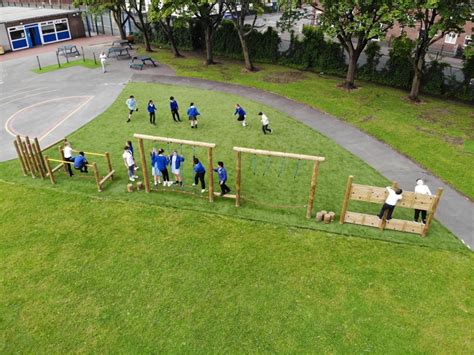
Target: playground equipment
{"points": [[269, 153], [210, 153], [33, 162], [378, 195]]}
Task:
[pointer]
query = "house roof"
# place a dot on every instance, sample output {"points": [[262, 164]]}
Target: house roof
{"points": [[12, 14]]}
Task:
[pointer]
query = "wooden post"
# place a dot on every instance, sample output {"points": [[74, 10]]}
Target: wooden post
{"points": [[109, 164], [61, 154], [312, 191], [211, 175], [238, 173], [97, 176], [34, 163], [347, 197], [23, 153], [37, 153], [144, 165], [50, 172], [426, 228], [40, 154], [27, 158], [20, 158]]}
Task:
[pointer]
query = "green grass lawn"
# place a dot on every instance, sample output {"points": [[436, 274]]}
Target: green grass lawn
{"points": [[88, 274], [88, 63], [271, 191], [433, 133]]}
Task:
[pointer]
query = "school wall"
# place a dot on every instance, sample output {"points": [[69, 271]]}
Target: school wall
{"points": [[4, 41]]}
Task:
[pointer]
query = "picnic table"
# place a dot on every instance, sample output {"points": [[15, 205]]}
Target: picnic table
{"points": [[146, 58], [68, 50], [119, 52], [122, 43]]}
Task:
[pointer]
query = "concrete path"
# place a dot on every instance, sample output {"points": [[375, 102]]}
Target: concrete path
{"points": [[455, 211]]}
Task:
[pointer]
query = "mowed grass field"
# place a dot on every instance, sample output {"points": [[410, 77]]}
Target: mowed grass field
{"points": [[85, 273], [438, 134], [274, 190]]}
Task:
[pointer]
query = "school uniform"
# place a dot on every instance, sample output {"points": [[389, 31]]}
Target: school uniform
{"points": [[200, 172], [67, 151], [154, 165], [174, 110], [130, 162], [162, 163], [80, 163], [222, 173], [175, 163], [151, 110], [193, 113], [424, 190], [390, 203], [241, 112]]}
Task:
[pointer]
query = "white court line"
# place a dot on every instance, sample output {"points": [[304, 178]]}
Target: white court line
{"points": [[24, 97], [65, 118], [12, 132], [20, 93]]}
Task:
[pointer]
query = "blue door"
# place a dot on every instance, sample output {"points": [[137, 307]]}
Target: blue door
{"points": [[33, 35]]}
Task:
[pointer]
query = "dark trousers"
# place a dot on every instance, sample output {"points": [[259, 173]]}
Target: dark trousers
{"points": [[152, 117], [82, 168], [166, 176], [389, 208], [200, 177], [69, 170], [423, 215], [266, 129], [224, 188], [175, 115]]}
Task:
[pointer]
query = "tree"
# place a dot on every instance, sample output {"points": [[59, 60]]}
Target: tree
{"points": [[137, 7], [161, 12], [354, 23], [434, 20], [239, 11], [96, 7]]}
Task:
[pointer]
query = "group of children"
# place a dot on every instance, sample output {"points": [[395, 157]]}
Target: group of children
{"points": [[192, 113], [79, 162], [159, 168], [395, 195]]}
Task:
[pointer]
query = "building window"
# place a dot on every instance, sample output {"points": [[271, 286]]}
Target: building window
{"points": [[467, 40], [451, 38], [19, 34], [47, 29], [61, 27]]}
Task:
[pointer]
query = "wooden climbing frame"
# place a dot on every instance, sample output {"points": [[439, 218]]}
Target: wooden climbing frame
{"points": [[373, 194], [270, 153], [210, 154]]}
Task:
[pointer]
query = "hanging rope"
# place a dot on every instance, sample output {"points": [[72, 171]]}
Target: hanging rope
{"points": [[297, 169], [282, 167], [267, 165], [254, 164], [181, 149]]}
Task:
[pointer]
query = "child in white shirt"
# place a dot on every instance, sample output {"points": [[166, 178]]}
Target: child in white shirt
{"points": [[390, 202], [265, 123], [423, 189]]}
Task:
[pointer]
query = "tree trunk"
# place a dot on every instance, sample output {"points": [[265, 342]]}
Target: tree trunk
{"points": [[208, 39], [146, 39], [245, 51], [118, 20], [168, 29], [416, 83], [351, 70]]}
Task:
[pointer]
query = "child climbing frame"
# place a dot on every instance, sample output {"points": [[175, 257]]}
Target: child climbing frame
{"points": [[30, 156], [378, 195], [270, 153], [210, 153]]}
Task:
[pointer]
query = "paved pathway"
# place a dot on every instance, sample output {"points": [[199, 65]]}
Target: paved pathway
{"points": [[455, 211]]}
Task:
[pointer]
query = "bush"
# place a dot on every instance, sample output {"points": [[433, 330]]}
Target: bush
{"points": [[372, 51], [399, 70]]}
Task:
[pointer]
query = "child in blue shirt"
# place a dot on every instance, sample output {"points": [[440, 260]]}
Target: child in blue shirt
{"points": [[151, 110], [222, 173], [154, 167], [80, 162], [192, 114], [174, 109], [242, 115], [161, 162], [175, 162], [200, 172]]}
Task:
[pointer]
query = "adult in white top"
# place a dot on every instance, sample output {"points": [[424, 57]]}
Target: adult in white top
{"points": [[103, 60], [67, 151], [129, 163], [423, 189], [393, 197], [265, 123]]}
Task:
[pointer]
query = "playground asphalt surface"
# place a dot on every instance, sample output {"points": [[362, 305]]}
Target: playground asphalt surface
{"points": [[53, 105]]}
